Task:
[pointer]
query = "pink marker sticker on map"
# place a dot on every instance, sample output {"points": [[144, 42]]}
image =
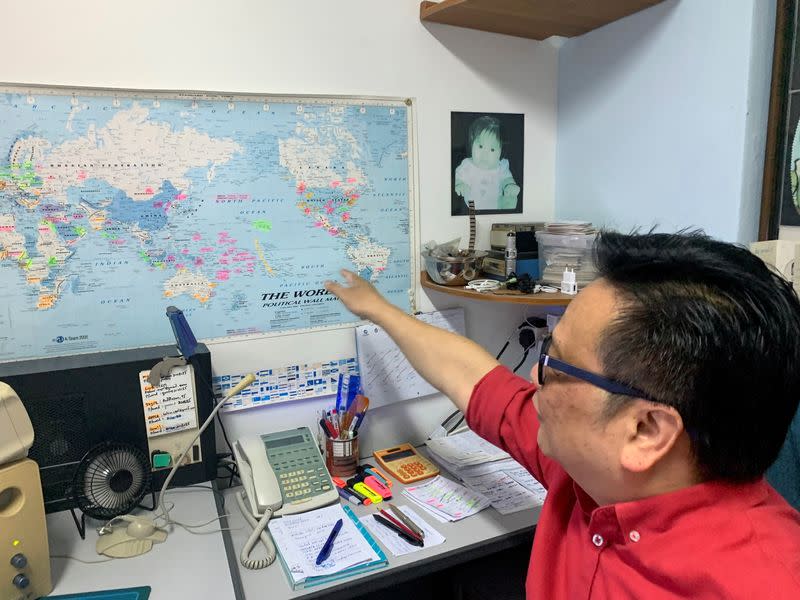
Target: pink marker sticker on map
{"points": [[206, 249], [185, 251], [335, 183], [196, 237], [351, 180], [198, 261], [223, 275], [180, 196], [148, 190], [301, 187]]}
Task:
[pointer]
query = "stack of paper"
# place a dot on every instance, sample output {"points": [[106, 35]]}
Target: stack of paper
{"points": [[446, 500], [299, 539], [489, 471]]}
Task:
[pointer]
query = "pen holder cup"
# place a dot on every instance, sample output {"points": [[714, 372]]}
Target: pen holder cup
{"points": [[341, 456]]}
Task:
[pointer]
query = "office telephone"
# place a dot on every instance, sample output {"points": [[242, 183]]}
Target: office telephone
{"points": [[282, 473]]}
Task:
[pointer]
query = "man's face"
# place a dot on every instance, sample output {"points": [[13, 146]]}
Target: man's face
{"points": [[486, 151], [572, 428]]}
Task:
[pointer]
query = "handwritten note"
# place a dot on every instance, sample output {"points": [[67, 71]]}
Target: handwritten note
{"points": [[446, 499], [386, 374], [506, 494], [171, 406], [299, 539]]}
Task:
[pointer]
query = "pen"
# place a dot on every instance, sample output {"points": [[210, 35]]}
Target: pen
{"points": [[325, 427], [348, 496], [408, 522], [411, 540], [358, 495], [405, 529], [326, 549]]}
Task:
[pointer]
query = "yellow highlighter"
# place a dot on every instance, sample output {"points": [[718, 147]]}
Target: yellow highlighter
{"points": [[362, 488]]}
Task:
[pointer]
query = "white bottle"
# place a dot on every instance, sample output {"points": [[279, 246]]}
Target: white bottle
{"points": [[511, 253], [568, 283]]}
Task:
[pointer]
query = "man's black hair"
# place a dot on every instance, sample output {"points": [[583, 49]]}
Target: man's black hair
{"points": [[707, 328]]}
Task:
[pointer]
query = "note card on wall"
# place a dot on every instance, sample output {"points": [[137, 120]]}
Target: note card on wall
{"points": [[171, 406], [386, 375]]}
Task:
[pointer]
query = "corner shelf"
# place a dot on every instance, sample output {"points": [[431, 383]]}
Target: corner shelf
{"points": [[507, 296], [534, 20]]}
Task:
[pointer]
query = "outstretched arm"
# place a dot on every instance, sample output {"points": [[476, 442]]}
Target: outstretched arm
{"points": [[451, 363]]}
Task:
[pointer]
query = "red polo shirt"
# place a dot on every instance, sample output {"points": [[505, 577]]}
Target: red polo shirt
{"points": [[712, 540]]}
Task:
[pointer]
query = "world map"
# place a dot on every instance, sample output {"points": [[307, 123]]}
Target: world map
{"points": [[115, 204]]}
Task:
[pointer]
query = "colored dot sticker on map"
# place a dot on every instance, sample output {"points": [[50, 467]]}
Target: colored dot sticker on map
{"points": [[362, 110], [266, 106], [231, 105], [30, 100], [116, 103]]}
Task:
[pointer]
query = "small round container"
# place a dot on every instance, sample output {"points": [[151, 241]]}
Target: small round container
{"points": [[341, 456], [454, 270]]}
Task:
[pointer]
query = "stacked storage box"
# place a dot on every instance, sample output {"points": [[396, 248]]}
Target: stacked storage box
{"points": [[567, 244]]}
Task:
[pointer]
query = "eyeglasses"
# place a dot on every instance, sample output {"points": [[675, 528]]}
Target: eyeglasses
{"points": [[604, 383]]}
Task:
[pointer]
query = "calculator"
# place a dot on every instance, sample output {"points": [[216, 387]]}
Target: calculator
{"points": [[405, 463]]}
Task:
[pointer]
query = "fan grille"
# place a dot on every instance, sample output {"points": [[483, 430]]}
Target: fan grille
{"points": [[111, 480]]}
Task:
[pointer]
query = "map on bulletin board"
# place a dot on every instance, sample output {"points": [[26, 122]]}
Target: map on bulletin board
{"points": [[235, 208]]}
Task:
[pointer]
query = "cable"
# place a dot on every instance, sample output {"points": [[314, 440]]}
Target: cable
{"points": [[210, 387], [524, 358], [258, 534], [245, 382]]}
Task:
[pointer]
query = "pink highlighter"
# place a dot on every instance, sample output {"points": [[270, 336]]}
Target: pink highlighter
{"points": [[380, 489]]}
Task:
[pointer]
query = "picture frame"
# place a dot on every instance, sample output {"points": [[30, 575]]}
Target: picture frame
{"points": [[487, 158], [780, 196]]}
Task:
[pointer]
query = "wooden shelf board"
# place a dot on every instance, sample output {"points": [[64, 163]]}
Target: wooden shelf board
{"points": [[535, 20], [507, 296]]}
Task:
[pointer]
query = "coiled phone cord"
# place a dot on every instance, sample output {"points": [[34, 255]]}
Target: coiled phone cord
{"points": [[258, 534]]}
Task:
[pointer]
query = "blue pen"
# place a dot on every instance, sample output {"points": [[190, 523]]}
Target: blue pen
{"points": [[348, 496], [357, 421], [326, 549]]}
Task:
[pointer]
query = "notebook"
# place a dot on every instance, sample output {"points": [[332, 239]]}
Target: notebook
{"points": [[299, 538]]}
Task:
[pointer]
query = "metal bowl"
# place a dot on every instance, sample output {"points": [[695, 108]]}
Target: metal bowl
{"points": [[453, 270]]}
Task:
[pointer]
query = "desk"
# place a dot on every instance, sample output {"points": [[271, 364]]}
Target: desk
{"points": [[185, 567], [479, 535], [188, 567]]}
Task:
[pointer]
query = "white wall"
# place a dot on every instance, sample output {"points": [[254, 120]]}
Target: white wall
{"points": [[662, 118], [370, 47]]}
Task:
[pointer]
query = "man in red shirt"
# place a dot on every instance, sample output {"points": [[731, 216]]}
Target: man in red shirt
{"points": [[664, 394]]}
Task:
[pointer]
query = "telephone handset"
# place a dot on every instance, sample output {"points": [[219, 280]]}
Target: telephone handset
{"points": [[282, 473]]}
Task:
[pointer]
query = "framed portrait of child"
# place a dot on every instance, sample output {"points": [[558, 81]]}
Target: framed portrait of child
{"points": [[487, 160]]}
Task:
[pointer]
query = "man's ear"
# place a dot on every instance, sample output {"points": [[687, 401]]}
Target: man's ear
{"points": [[652, 430]]}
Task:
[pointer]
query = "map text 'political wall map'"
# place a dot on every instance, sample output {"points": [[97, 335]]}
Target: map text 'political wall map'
{"points": [[115, 204]]}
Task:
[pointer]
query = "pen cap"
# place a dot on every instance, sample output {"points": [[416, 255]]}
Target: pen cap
{"points": [[341, 456]]}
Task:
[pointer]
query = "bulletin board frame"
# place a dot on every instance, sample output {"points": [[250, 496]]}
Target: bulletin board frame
{"points": [[778, 208]]}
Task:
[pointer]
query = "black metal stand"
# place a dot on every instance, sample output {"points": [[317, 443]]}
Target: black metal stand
{"points": [[81, 525]]}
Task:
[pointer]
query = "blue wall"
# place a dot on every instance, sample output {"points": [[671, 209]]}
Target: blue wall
{"points": [[662, 118]]}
